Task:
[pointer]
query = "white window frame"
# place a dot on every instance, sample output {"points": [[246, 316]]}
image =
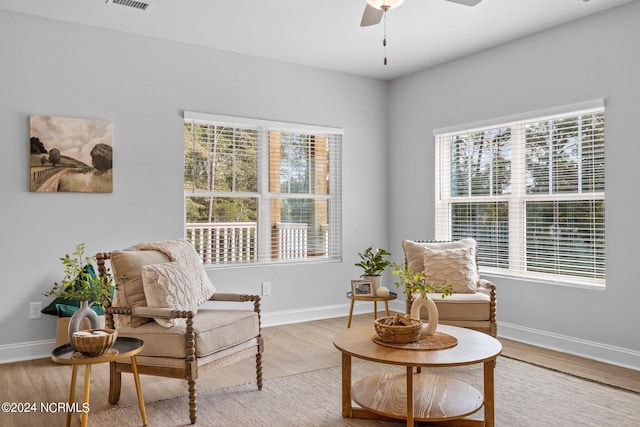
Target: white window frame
{"points": [[517, 198], [264, 196]]}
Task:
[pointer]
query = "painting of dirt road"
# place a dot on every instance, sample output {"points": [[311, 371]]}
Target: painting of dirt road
{"points": [[70, 155]]}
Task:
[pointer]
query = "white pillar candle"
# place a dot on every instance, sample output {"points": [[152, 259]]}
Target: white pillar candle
{"points": [[382, 292]]}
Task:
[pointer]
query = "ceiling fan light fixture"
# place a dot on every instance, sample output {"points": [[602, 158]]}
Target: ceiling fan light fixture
{"points": [[385, 4]]}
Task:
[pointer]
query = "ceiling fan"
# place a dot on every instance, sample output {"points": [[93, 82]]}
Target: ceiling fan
{"points": [[375, 9]]}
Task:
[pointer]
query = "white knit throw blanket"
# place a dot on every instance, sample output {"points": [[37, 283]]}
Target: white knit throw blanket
{"points": [[177, 250]]}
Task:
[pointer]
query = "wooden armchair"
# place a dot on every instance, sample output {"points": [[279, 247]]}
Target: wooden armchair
{"points": [[193, 344], [472, 303]]}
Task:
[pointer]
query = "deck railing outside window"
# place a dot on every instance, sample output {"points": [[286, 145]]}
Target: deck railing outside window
{"points": [[223, 242], [234, 242], [292, 240]]}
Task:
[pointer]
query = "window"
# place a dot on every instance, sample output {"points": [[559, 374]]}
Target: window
{"points": [[530, 191], [261, 192]]}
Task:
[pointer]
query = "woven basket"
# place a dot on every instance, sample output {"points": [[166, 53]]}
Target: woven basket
{"points": [[398, 334], [94, 345]]}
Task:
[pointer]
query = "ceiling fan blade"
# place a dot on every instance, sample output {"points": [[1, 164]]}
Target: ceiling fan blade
{"points": [[466, 2], [371, 16]]}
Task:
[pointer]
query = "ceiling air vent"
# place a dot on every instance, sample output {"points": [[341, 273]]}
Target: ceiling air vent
{"points": [[135, 4]]}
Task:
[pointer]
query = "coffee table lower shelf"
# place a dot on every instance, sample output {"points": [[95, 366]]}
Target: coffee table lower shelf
{"points": [[436, 398]]}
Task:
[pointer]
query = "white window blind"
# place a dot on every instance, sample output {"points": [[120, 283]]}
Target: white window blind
{"points": [[262, 192], [531, 192]]}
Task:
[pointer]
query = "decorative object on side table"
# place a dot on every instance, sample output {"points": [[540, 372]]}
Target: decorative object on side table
{"points": [[373, 262], [414, 282], [362, 288], [382, 292], [94, 342], [81, 284]]}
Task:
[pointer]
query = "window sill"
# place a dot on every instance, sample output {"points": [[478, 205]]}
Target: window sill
{"points": [[601, 287]]}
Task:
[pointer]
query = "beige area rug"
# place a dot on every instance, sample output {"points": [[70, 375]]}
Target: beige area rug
{"points": [[526, 395]]}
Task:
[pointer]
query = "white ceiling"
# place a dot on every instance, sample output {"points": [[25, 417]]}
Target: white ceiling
{"points": [[327, 33]]}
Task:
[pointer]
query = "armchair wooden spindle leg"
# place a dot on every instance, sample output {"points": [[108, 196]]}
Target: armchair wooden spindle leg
{"points": [[259, 370], [192, 401]]}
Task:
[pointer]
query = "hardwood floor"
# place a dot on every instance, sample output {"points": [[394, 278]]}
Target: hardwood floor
{"points": [[289, 350], [616, 376]]}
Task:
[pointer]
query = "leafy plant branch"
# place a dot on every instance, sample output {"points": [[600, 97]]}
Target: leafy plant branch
{"points": [[373, 263], [415, 281], [79, 284]]}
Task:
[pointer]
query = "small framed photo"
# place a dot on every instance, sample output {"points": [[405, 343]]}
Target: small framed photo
{"points": [[363, 288]]}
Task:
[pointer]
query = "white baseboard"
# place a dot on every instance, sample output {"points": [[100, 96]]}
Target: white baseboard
{"points": [[42, 349], [26, 351], [588, 349], [324, 312], [612, 355]]}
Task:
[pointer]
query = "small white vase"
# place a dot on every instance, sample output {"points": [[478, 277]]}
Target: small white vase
{"points": [[423, 301], [78, 315]]}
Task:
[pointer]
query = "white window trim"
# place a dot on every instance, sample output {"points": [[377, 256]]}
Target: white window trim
{"points": [[443, 198], [542, 114], [269, 124]]}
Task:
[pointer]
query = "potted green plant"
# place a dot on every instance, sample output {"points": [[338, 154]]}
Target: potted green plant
{"points": [[414, 282], [373, 262], [80, 284]]}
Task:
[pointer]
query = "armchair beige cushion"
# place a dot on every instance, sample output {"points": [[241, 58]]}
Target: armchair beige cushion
{"points": [[465, 307], [127, 271], [472, 303], [214, 329]]}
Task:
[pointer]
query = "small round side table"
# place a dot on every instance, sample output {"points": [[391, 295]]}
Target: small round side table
{"points": [[126, 348], [375, 299]]}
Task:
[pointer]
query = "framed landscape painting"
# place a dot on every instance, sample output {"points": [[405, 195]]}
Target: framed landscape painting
{"points": [[70, 155]]}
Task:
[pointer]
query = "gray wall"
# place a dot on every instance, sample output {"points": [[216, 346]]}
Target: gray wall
{"points": [[143, 85], [591, 58]]}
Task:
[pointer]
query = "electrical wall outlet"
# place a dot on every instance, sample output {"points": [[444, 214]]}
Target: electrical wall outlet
{"points": [[34, 310], [266, 288]]}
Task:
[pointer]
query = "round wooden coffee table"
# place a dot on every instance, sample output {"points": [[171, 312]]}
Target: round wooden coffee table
{"points": [[419, 396]]}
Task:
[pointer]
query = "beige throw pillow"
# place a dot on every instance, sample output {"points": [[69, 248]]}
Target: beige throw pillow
{"points": [[414, 251], [127, 270], [456, 267], [177, 286]]}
